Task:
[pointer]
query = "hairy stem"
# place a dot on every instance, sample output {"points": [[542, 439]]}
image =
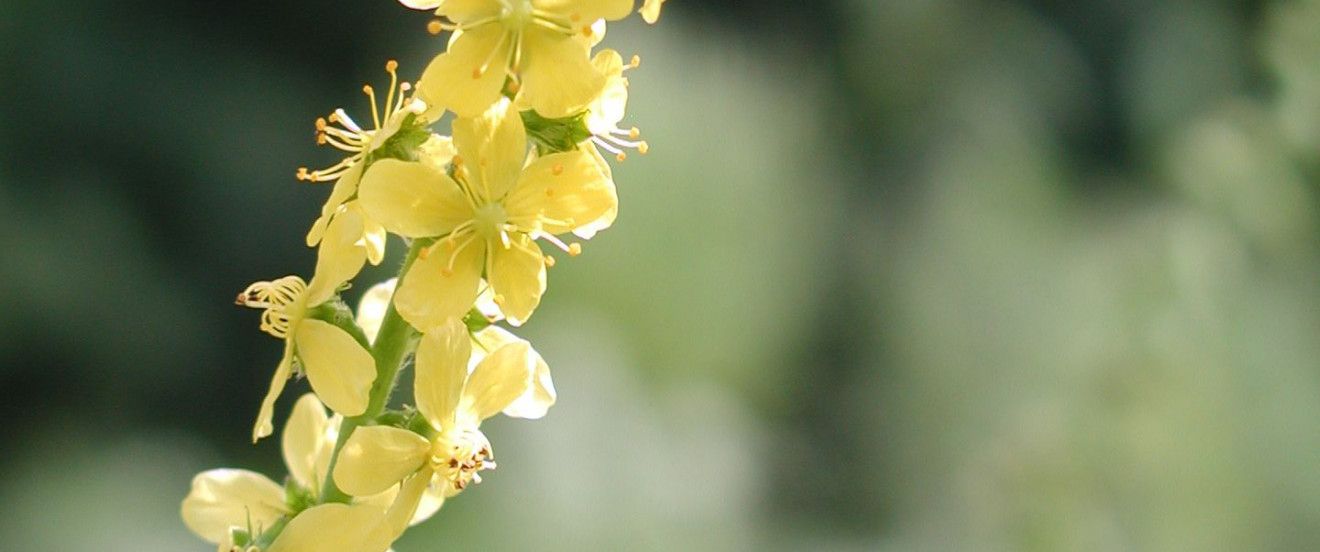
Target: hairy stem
{"points": [[394, 342]]}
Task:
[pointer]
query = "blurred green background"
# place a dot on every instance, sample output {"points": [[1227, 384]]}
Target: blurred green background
{"points": [[919, 275]]}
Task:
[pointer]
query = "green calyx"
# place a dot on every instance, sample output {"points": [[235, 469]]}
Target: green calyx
{"points": [[555, 135]]}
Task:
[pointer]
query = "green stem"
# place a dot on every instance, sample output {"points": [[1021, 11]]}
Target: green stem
{"points": [[395, 340]]}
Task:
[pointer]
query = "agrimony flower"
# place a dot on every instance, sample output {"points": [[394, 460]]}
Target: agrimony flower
{"points": [[342, 132], [339, 369], [532, 42], [455, 390], [488, 216], [223, 499]]}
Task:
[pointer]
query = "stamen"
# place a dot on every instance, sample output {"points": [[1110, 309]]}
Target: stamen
{"points": [[549, 261], [481, 70], [371, 94], [572, 249], [390, 67]]}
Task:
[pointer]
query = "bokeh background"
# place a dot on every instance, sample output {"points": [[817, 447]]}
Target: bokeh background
{"points": [[919, 275]]}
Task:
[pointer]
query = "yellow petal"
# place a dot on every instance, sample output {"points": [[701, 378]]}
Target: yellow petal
{"points": [[422, 4], [411, 492], [337, 367], [339, 258], [373, 306], [588, 10], [373, 235], [304, 440], [517, 275], [500, 378], [377, 457], [345, 186], [336, 527], [588, 230], [263, 426], [469, 77], [429, 296], [651, 10], [558, 77], [432, 500], [462, 11], [610, 105], [441, 366], [226, 498], [540, 394], [412, 199], [561, 188], [493, 148]]}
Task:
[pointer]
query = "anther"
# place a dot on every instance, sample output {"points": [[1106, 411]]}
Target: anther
{"points": [[549, 192], [446, 272], [434, 27], [621, 157], [574, 249], [556, 170], [391, 66], [633, 133], [321, 124], [476, 73], [366, 89], [643, 147], [303, 174], [575, 17], [549, 261], [498, 298], [635, 62]]}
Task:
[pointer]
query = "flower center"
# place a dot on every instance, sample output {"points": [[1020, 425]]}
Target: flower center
{"points": [[517, 14], [490, 220], [459, 456]]}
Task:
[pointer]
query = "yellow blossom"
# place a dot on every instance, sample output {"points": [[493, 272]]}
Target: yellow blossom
{"points": [[342, 132], [455, 390], [339, 369], [651, 10], [488, 217], [532, 42], [222, 499]]}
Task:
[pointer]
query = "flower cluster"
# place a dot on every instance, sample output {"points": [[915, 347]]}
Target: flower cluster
{"points": [[521, 172]]}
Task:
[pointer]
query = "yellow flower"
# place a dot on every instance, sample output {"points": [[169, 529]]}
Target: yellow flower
{"points": [[488, 216], [532, 42], [358, 143], [454, 399], [651, 10], [225, 500], [339, 369], [229, 498]]}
